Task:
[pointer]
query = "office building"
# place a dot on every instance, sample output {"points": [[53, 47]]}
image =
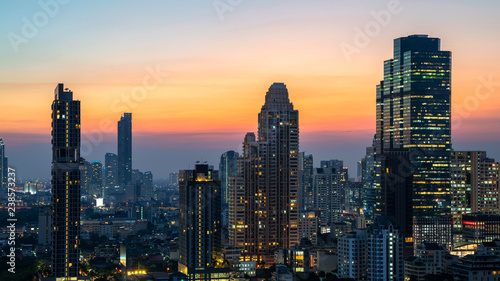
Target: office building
{"points": [[200, 244], [306, 171], [111, 170], [125, 149], [227, 169], [414, 114], [474, 187], [269, 168], [327, 187], [479, 227], [308, 227], [65, 184]]}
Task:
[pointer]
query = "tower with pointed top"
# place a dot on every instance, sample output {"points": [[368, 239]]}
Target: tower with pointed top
{"points": [[268, 171]]}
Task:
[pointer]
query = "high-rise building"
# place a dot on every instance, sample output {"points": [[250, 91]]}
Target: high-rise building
{"points": [[385, 250], [339, 167], [125, 149], [200, 244], [111, 169], [95, 182], [370, 178], [4, 168], [269, 168], [44, 225], [65, 184], [306, 181], [227, 169], [327, 197], [414, 114], [173, 179], [474, 187]]}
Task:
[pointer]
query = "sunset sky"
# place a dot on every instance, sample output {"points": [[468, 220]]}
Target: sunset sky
{"points": [[212, 69]]}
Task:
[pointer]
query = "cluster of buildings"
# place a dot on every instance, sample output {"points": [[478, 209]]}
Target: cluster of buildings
{"points": [[418, 208]]}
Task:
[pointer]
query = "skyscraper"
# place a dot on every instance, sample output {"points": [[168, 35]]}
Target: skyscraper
{"points": [[371, 184], [65, 184], [414, 114], [227, 169], [327, 186], [125, 149], [306, 181], [95, 184], [269, 169], [200, 224], [474, 187], [4, 168], [111, 168]]}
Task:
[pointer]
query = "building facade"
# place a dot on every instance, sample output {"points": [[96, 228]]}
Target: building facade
{"points": [[385, 250], [65, 184], [269, 169], [111, 170], [200, 229], [414, 114], [327, 195], [125, 149]]}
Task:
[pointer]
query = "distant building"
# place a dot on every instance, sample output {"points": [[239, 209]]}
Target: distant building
{"points": [[308, 227], [111, 169], [4, 168], [327, 187], [125, 149], [306, 181], [44, 225], [227, 169], [370, 178]]}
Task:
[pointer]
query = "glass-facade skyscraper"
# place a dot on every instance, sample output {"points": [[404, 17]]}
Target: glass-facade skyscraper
{"points": [[65, 184], [125, 149], [414, 114]]}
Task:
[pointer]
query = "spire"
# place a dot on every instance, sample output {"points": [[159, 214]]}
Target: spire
{"points": [[277, 98]]}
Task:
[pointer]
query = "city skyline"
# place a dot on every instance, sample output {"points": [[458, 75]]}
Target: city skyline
{"points": [[333, 91]]}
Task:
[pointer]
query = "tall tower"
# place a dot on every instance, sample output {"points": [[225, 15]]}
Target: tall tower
{"points": [[4, 168], [326, 193], [227, 169], [200, 224], [125, 149], [413, 115], [111, 168], [65, 184], [269, 168]]}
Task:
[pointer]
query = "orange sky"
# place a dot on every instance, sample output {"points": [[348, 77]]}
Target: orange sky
{"points": [[219, 71]]}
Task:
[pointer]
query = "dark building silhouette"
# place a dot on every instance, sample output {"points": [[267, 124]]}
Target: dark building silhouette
{"points": [[414, 114], [125, 149], [65, 184]]}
